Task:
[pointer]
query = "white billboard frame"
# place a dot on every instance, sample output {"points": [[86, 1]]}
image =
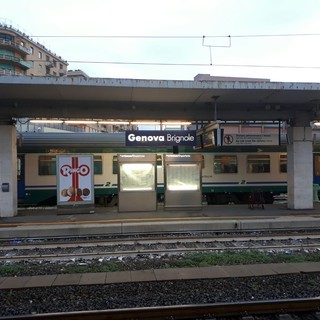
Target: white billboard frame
{"points": [[75, 180]]}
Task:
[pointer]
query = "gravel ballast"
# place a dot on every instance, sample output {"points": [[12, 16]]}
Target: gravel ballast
{"points": [[162, 293]]}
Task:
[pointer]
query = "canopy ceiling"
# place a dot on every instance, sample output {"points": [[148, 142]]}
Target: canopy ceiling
{"points": [[104, 98]]}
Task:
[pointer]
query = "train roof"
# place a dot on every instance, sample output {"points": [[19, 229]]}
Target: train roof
{"points": [[57, 139]]}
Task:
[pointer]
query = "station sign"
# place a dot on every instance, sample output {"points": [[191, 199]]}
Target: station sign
{"points": [[238, 139], [209, 136], [75, 179], [153, 138]]}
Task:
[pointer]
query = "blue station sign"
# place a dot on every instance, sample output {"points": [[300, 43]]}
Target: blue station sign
{"points": [[152, 138]]}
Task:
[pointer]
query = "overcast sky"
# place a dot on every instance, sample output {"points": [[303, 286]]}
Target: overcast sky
{"points": [[182, 56]]}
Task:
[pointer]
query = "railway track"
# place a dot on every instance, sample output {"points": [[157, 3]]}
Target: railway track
{"points": [[141, 292], [275, 309], [156, 236], [156, 245]]}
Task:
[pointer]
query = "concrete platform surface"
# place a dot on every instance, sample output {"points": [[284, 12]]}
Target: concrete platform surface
{"points": [[43, 222], [213, 272]]}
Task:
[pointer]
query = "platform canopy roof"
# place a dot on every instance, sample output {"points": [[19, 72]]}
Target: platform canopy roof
{"points": [[133, 99]]}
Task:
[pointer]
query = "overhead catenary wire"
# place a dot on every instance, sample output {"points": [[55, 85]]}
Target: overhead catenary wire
{"points": [[181, 36], [202, 37], [195, 64]]}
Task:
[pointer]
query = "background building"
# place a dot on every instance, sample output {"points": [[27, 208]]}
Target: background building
{"points": [[21, 55]]}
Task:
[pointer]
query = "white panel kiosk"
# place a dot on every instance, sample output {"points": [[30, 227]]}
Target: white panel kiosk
{"points": [[183, 181], [137, 182]]}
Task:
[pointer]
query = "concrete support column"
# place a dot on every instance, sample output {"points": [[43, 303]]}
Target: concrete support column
{"points": [[8, 171], [300, 168]]}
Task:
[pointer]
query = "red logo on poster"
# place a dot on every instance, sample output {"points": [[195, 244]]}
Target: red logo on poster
{"points": [[67, 170]]}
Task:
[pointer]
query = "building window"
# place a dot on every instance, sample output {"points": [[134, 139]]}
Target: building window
{"points": [[7, 37], [55, 63], [225, 164], [40, 55], [258, 164], [40, 67], [32, 50]]}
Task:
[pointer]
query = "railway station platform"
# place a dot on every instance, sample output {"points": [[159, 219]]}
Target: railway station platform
{"points": [[49, 222], [213, 272]]}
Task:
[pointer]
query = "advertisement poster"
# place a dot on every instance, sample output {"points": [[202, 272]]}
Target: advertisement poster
{"points": [[75, 179]]}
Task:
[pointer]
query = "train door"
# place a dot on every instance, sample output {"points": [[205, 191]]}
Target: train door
{"points": [[21, 177]]}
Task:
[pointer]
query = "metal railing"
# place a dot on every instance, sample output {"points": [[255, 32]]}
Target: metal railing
{"points": [[22, 63], [6, 72]]}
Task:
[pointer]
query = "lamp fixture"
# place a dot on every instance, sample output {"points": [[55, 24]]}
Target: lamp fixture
{"points": [[45, 121], [80, 121], [168, 123], [176, 123], [145, 122], [114, 122]]}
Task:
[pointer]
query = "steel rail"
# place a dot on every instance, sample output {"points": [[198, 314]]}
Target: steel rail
{"points": [[236, 235], [157, 240], [187, 311], [99, 254]]}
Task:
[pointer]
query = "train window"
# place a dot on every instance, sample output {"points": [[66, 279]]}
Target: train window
{"points": [[18, 168], [97, 165], [159, 160], [258, 163], [115, 165], [317, 165], [47, 165], [283, 163], [225, 164]]}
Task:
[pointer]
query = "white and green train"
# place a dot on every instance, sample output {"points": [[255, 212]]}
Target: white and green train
{"points": [[229, 174]]}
